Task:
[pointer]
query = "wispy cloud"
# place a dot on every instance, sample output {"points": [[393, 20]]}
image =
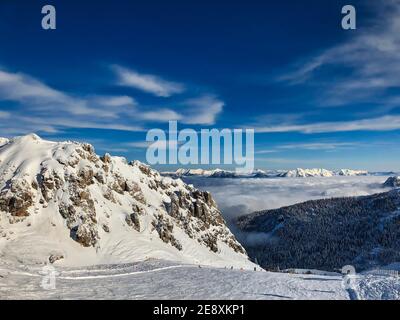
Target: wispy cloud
{"points": [[4, 115], [385, 123], [370, 58], [311, 146], [161, 115], [17, 86], [34, 94], [318, 145], [122, 101], [39, 107], [266, 151], [202, 110], [161, 144], [146, 82]]}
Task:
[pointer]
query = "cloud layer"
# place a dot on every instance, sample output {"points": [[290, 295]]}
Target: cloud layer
{"points": [[147, 82], [36, 106], [385, 123], [236, 197]]}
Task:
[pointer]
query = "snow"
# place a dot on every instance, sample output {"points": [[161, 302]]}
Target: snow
{"points": [[348, 172], [377, 287], [303, 173], [3, 141], [156, 279]]}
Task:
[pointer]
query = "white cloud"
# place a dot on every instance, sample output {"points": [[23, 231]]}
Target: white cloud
{"points": [[19, 87], [202, 110], [161, 115], [39, 97], [385, 123], [147, 82], [318, 145], [120, 101], [82, 123], [312, 146], [4, 115], [45, 109], [268, 151], [160, 144], [39, 107]]}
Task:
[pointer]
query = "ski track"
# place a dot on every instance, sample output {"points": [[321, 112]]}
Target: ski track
{"points": [[165, 280], [168, 281], [99, 276], [122, 274]]}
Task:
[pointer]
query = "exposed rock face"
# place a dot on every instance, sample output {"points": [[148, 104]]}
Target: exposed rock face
{"points": [[133, 219], [165, 228], [392, 182], [327, 234], [17, 198], [55, 257], [88, 192]]}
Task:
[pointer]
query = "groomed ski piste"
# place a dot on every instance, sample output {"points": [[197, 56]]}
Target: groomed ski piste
{"points": [[157, 279]]}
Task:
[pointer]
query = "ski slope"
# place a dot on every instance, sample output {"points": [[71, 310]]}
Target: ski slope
{"points": [[156, 279]]}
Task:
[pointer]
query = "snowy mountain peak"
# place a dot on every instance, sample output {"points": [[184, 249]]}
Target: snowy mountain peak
{"points": [[29, 138], [3, 141], [303, 173], [60, 199]]}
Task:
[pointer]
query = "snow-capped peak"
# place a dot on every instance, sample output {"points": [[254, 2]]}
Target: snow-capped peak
{"points": [[3, 141], [297, 173], [61, 200], [303, 173]]}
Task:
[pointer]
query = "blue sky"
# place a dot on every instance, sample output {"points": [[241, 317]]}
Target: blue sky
{"points": [[317, 96]]}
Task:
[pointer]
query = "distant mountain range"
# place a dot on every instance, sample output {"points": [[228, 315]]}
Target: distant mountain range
{"points": [[297, 173]]}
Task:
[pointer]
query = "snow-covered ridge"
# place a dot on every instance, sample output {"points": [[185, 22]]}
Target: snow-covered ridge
{"points": [[304, 173], [392, 182], [298, 173], [3, 141], [61, 201]]}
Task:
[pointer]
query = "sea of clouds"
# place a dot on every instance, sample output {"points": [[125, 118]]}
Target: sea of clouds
{"points": [[236, 197]]}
